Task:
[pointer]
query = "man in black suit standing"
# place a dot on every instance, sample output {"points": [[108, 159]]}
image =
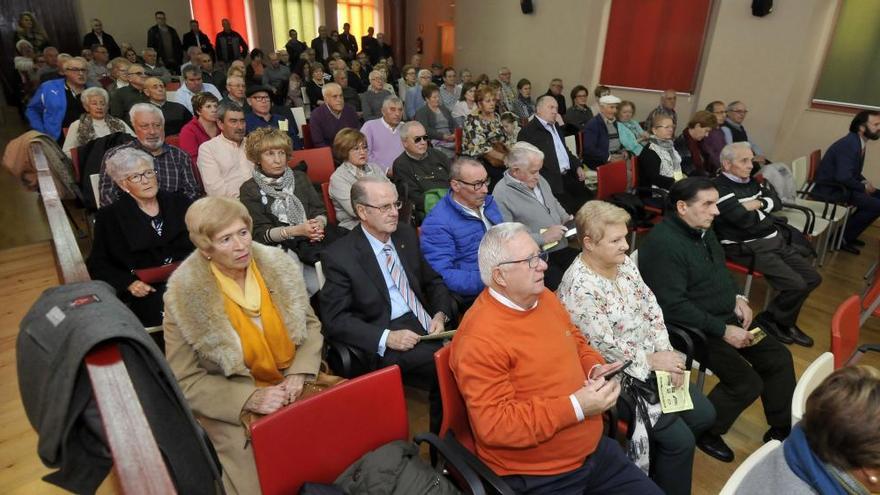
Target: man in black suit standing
{"points": [[347, 39], [323, 45], [195, 37], [294, 48], [97, 36], [371, 47], [381, 295], [561, 169]]}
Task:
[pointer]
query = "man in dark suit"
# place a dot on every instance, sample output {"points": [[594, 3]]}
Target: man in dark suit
{"points": [[323, 45], [601, 140], [562, 169], [97, 36], [195, 37], [371, 47], [348, 40], [381, 295], [842, 166], [294, 48], [164, 39]]}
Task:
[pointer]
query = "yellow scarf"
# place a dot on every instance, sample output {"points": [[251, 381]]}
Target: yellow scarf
{"points": [[266, 350]]}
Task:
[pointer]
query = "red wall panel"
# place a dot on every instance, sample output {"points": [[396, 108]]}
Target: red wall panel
{"points": [[209, 13]]}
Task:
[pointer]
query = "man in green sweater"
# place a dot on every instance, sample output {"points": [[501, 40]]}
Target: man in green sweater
{"points": [[683, 263]]}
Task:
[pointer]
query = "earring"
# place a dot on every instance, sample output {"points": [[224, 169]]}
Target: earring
{"points": [[209, 258], [872, 479]]}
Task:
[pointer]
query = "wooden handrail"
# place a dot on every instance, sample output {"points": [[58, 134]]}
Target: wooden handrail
{"points": [[136, 458]]}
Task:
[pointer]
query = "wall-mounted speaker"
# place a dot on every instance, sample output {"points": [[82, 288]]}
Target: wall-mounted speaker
{"points": [[526, 6], [760, 8]]}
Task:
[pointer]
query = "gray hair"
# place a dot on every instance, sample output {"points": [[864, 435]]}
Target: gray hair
{"points": [[121, 164], [145, 108], [543, 98], [732, 104], [493, 247], [94, 91], [391, 100], [225, 107], [424, 72], [521, 155], [359, 191], [148, 50], [459, 163], [406, 127], [329, 85], [376, 73], [191, 69], [728, 153], [75, 59]]}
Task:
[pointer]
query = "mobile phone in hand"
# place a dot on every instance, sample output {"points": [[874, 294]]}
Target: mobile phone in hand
{"points": [[618, 370]]}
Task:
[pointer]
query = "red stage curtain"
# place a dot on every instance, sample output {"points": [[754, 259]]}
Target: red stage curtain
{"points": [[209, 13], [654, 44]]}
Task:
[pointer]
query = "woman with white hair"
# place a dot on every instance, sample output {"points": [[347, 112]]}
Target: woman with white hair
{"points": [[144, 228], [95, 123]]}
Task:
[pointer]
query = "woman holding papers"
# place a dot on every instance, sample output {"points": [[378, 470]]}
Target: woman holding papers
{"points": [[618, 313]]}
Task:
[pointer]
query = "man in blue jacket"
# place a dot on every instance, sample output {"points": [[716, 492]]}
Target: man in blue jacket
{"points": [[56, 103], [601, 141], [452, 232], [839, 177]]}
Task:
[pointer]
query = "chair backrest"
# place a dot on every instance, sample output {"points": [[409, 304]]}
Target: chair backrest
{"points": [[173, 140], [319, 269], [634, 172], [455, 418], [316, 439], [815, 158], [812, 377], [743, 470], [95, 180], [635, 256], [612, 179], [459, 134], [319, 161], [799, 171], [328, 203], [307, 137], [845, 330]]}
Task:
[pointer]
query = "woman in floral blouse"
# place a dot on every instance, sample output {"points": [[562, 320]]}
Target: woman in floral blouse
{"points": [[483, 136], [618, 313]]}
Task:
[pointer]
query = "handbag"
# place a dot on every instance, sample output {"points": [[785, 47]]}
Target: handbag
{"points": [[501, 148]]}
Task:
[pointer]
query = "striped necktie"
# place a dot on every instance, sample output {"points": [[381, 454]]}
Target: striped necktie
{"points": [[400, 281]]}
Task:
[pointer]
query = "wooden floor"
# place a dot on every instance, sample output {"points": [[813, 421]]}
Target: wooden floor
{"points": [[27, 268]]}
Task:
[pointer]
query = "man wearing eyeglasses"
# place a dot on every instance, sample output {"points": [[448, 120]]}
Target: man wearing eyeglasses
{"points": [[260, 101], [420, 169], [126, 97], [380, 295], [56, 103], [534, 389], [734, 132], [452, 231], [666, 107]]}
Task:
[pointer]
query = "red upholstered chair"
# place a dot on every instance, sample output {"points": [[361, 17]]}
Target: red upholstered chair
{"points": [[845, 330], [328, 203], [316, 439], [319, 161], [612, 179], [458, 137], [172, 86], [307, 137]]}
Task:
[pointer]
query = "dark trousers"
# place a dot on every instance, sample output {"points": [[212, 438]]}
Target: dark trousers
{"points": [[417, 366], [607, 470], [867, 210], [574, 193], [672, 449], [557, 263], [762, 370], [785, 269]]}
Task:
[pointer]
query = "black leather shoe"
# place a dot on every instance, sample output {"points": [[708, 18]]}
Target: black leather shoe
{"points": [[713, 445], [777, 433], [799, 337], [851, 248], [771, 328], [857, 243]]}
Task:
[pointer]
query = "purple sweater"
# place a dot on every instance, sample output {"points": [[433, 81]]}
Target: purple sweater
{"points": [[324, 125], [712, 145], [385, 146]]}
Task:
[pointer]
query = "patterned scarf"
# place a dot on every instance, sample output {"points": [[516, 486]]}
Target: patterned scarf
{"points": [[286, 207], [86, 131], [670, 161]]}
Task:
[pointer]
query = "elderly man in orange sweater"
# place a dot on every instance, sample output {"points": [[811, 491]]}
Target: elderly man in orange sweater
{"points": [[534, 389]]}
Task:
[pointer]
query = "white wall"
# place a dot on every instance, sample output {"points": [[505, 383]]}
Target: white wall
{"points": [[128, 21]]}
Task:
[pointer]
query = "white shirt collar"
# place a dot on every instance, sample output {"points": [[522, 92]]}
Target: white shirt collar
{"points": [[393, 130], [507, 302]]}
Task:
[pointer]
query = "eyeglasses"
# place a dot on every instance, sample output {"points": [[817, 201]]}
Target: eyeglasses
{"points": [[138, 178], [743, 112], [75, 69], [419, 139], [476, 185], [384, 209], [531, 260]]}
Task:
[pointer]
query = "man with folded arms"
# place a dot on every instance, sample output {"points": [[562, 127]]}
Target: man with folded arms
{"points": [[534, 389]]}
